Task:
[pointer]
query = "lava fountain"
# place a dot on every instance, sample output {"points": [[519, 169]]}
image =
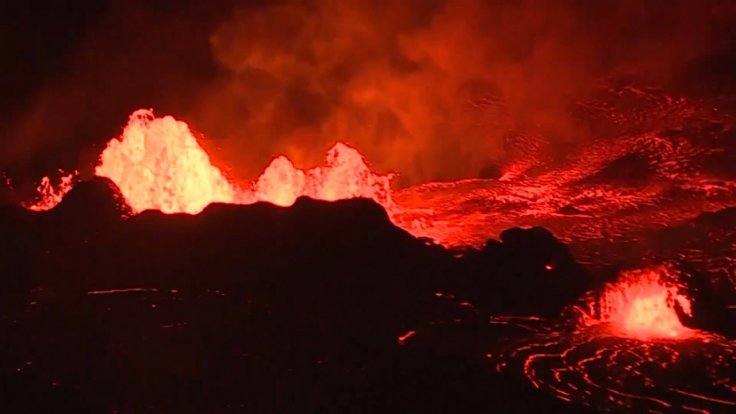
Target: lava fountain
{"points": [[158, 164], [642, 305], [629, 351], [49, 196]]}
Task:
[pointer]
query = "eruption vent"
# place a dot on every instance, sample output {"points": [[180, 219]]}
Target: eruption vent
{"points": [[642, 305]]}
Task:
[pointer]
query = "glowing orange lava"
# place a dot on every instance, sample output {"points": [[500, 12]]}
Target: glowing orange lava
{"points": [[48, 196], [345, 175], [642, 305], [158, 164]]}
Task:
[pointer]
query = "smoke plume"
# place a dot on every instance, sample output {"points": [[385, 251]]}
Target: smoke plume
{"points": [[431, 89]]}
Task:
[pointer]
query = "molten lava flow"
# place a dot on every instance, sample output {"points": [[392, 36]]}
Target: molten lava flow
{"points": [[48, 196], [158, 164], [641, 305]]}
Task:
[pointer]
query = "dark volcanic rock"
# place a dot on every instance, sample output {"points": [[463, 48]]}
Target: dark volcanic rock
{"points": [[570, 210], [254, 308], [529, 272], [98, 199], [36, 245], [491, 171], [630, 169]]}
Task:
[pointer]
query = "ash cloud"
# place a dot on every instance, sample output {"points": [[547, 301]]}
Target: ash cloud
{"points": [[429, 89]]}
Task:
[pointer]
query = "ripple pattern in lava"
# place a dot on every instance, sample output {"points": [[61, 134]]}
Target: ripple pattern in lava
{"points": [[653, 161], [590, 366]]}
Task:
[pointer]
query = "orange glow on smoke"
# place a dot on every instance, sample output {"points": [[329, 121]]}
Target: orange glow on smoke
{"points": [[158, 164], [642, 305]]}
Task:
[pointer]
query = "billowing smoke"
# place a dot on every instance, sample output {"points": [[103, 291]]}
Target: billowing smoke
{"points": [[431, 89]]}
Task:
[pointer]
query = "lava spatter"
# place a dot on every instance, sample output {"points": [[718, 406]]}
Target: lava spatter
{"points": [[49, 196]]}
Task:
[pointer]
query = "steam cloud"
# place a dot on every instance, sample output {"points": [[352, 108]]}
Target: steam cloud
{"points": [[431, 89]]}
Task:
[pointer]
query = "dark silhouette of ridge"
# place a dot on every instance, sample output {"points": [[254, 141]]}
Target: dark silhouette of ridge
{"points": [[96, 198], [259, 308]]}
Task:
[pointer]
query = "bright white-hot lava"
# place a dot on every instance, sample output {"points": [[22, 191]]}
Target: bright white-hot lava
{"points": [[158, 164], [345, 175], [642, 304]]}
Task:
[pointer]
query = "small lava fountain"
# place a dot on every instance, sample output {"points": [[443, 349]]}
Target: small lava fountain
{"points": [[641, 305], [629, 351]]}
